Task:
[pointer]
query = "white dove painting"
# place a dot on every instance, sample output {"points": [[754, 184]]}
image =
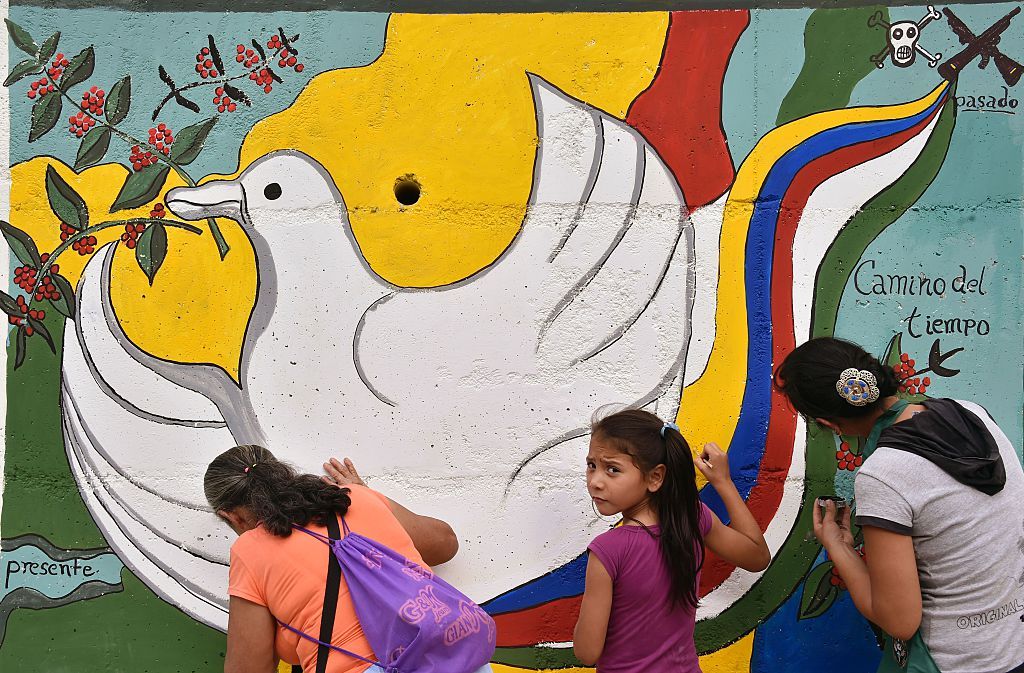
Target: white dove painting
{"points": [[497, 374], [578, 234]]}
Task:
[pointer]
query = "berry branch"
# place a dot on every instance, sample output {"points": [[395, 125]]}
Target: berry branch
{"points": [[94, 121], [86, 119], [211, 70]]}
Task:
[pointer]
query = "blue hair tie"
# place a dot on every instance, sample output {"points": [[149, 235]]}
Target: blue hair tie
{"points": [[668, 425]]}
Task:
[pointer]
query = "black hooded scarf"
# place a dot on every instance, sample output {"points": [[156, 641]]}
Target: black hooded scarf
{"points": [[955, 440]]}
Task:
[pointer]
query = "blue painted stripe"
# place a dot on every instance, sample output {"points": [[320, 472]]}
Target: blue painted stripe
{"points": [[748, 442], [562, 582]]}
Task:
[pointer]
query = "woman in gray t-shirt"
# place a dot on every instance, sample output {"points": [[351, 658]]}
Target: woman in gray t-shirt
{"points": [[941, 504]]}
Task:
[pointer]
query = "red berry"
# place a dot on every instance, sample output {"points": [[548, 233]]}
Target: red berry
{"points": [[298, 68], [131, 244], [839, 455], [858, 461], [927, 381]]}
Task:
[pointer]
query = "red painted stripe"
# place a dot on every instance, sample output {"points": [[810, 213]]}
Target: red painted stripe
{"points": [[766, 495], [680, 113], [547, 623]]}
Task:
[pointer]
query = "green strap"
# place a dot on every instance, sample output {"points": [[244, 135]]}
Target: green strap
{"points": [[885, 420]]}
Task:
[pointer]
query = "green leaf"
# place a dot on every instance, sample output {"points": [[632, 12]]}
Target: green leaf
{"points": [[119, 100], [94, 146], [79, 70], [151, 250], [45, 113], [49, 47], [893, 350], [22, 245], [141, 187], [19, 349], [65, 201], [66, 303], [9, 305], [22, 70], [21, 39], [40, 329], [819, 593], [189, 141]]}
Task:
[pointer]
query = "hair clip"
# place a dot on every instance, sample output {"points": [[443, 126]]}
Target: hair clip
{"points": [[246, 470], [857, 386], [668, 425]]}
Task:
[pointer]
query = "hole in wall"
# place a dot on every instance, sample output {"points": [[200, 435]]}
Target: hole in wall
{"points": [[407, 190]]}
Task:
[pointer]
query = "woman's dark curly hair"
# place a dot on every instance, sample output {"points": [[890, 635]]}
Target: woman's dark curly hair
{"points": [[276, 494], [809, 373]]}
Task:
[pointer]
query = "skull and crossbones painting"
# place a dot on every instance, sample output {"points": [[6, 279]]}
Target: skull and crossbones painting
{"points": [[904, 40]]}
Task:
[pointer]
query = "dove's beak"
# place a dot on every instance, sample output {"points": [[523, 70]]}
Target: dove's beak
{"points": [[219, 198]]}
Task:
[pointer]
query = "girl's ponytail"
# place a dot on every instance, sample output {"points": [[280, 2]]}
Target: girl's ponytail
{"points": [[678, 506], [274, 492], [650, 442]]}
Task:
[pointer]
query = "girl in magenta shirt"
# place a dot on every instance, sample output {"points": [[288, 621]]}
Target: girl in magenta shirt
{"points": [[640, 602]]}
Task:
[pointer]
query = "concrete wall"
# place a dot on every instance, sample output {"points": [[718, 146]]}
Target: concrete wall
{"points": [[441, 241]]}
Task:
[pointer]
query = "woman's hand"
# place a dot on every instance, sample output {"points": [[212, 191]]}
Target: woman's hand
{"points": [[714, 465], [340, 473], [829, 529]]}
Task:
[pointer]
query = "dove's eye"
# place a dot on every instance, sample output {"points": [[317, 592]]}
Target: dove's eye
{"points": [[272, 191]]}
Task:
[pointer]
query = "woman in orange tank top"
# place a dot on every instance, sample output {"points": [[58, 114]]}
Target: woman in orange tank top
{"points": [[275, 575]]}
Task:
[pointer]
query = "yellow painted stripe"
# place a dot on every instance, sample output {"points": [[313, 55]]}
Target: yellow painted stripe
{"points": [[711, 404], [732, 659]]}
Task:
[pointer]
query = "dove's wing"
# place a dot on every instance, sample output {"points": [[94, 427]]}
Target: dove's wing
{"points": [[139, 445], [619, 287], [596, 287]]}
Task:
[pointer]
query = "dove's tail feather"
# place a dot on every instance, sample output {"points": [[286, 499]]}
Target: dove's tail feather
{"points": [[132, 438], [171, 571]]}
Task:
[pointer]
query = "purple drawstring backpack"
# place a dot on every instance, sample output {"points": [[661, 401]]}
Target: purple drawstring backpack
{"points": [[414, 620]]}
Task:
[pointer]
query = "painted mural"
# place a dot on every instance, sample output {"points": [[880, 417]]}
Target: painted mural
{"points": [[436, 243]]}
